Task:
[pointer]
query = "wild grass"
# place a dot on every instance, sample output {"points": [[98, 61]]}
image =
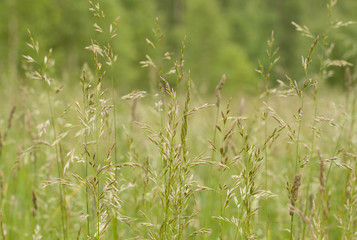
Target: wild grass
{"points": [[90, 162]]}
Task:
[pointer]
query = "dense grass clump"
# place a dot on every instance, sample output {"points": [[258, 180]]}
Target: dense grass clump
{"points": [[88, 162]]}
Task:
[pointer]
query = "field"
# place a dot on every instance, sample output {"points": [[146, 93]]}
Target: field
{"points": [[83, 160]]}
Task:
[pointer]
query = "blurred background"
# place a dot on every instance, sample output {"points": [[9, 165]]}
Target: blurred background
{"points": [[222, 36]]}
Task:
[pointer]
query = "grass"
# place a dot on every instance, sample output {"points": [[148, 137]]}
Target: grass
{"points": [[80, 162]]}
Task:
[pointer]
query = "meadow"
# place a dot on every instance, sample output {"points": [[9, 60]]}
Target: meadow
{"points": [[83, 160]]}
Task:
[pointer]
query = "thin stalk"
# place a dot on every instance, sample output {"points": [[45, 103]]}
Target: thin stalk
{"points": [[86, 159], [172, 158], [272, 59], [291, 227], [266, 160], [211, 179], [162, 120], [311, 157], [115, 222], [247, 167], [97, 123], [59, 167], [221, 205], [236, 234], [298, 136], [168, 177], [87, 195], [167, 202], [214, 137], [297, 155], [184, 166], [316, 102]]}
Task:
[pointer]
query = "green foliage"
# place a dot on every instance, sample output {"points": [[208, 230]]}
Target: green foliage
{"points": [[207, 33], [215, 30], [210, 51], [233, 61]]}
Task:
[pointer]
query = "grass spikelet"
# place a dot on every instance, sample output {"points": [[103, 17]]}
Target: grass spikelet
{"points": [[294, 190]]}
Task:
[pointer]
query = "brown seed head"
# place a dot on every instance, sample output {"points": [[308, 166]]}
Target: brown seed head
{"points": [[294, 190], [219, 88]]}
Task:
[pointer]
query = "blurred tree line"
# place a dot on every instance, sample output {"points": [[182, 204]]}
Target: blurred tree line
{"points": [[222, 36]]}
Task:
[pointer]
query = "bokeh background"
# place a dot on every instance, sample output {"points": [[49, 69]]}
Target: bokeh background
{"points": [[222, 36]]}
